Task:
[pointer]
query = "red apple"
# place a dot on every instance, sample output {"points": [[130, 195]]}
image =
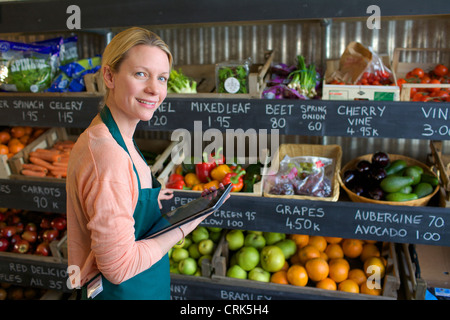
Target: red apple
{"points": [[19, 227], [9, 231], [59, 223], [50, 235], [43, 249], [31, 226], [4, 244], [14, 239], [45, 223], [21, 246], [30, 236]]}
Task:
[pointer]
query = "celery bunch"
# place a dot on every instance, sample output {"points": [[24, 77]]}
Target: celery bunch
{"points": [[179, 83]]}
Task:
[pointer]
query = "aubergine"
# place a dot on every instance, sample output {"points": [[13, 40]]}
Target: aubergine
{"points": [[380, 159]]}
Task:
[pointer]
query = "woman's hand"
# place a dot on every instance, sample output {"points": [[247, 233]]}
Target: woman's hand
{"points": [[164, 194]]}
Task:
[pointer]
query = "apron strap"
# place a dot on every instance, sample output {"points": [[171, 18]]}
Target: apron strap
{"points": [[108, 120]]}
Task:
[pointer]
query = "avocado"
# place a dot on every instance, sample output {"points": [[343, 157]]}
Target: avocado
{"points": [[395, 183], [399, 197]]}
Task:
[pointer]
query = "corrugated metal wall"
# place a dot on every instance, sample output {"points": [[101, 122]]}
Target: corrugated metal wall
{"points": [[314, 39], [317, 41]]}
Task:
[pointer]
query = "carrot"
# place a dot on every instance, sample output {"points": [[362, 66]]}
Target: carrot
{"points": [[41, 162], [59, 173], [32, 173], [49, 157], [34, 167], [60, 164]]}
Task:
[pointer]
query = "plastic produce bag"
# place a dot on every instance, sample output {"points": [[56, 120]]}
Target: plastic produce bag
{"points": [[232, 76], [26, 67], [76, 68], [66, 47], [306, 176]]}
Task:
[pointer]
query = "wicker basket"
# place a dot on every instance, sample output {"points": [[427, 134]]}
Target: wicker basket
{"points": [[356, 198], [295, 150]]}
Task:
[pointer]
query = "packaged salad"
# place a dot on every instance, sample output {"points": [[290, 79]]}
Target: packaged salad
{"points": [[26, 67]]}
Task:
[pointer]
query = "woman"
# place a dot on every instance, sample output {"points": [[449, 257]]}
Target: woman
{"points": [[112, 197]]}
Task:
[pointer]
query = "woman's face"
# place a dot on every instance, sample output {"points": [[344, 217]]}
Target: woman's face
{"points": [[140, 85]]}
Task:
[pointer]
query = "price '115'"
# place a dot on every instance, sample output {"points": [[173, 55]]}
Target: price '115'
{"points": [[65, 117]]}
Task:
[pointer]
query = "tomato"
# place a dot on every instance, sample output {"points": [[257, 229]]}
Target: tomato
{"points": [[442, 94], [400, 82], [425, 79], [440, 70], [418, 72], [434, 81], [413, 92]]}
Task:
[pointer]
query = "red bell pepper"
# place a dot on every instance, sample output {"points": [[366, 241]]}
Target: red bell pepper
{"points": [[203, 169], [179, 185], [235, 178], [175, 177]]}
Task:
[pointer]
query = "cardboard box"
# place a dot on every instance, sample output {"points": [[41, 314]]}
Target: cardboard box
{"points": [[358, 92]]}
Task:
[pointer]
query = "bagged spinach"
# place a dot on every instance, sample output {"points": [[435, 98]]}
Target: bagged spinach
{"points": [[66, 47], [26, 67]]}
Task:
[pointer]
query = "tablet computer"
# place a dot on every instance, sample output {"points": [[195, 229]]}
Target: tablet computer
{"points": [[194, 209]]}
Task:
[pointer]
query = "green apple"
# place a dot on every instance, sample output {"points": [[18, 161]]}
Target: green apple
{"points": [[193, 251], [174, 267], [200, 233], [247, 258], [207, 256], [179, 254], [254, 231], [187, 266], [235, 239], [273, 237], [206, 246], [254, 240], [215, 236], [259, 274], [198, 273], [170, 252], [272, 258], [236, 272], [288, 247], [214, 229]]}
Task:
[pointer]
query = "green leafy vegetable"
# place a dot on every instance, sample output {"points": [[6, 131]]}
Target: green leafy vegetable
{"points": [[179, 83], [304, 78], [239, 73]]}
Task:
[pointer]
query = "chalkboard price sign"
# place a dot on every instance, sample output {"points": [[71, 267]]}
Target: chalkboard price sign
{"points": [[33, 195], [425, 225], [37, 272]]}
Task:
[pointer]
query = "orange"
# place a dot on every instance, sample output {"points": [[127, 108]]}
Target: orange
{"points": [[13, 141], [16, 147], [4, 149], [295, 259], [285, 266], [352, 247], [28, 130], [357, 275], [327, 284], [300, 240], [318, 241], [297, 275], [17, 132], [369, 250], [370, 241], [365, 289], [333, 239], [334, 251], [377, 263], [317, 269], [308, 252], [348, 286], [4, 137], [338, 270], [279, 277], [340, 260], [323, 255]]}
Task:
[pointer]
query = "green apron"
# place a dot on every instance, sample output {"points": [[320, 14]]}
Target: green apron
{"points": [[153, 283]]}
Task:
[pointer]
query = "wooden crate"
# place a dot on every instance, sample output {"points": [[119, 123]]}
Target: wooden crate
{"points": [[413, 287], [295, 150], [442, 163], [171, 167], [205, 76], [429, 58], [390, 286], [356, 92], [44, 141]]}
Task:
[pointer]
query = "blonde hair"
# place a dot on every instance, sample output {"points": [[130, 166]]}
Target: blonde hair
{"points": [[116, 51]]}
